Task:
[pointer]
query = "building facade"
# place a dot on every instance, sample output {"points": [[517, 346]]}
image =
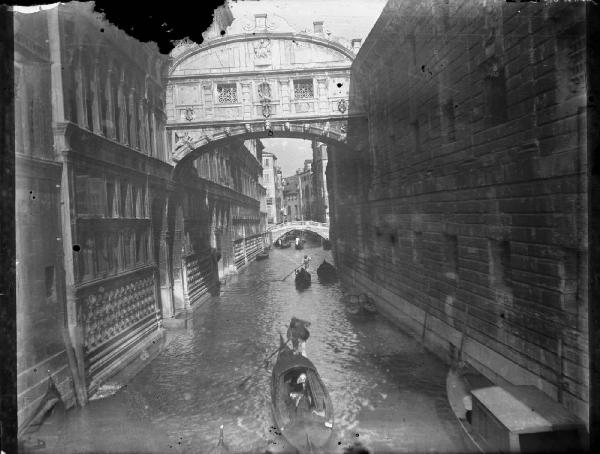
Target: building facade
{"points": [[319, 183], [269, 164], [463, 201], [90, 161]]}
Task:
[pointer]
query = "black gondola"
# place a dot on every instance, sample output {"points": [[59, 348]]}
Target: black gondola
{"points": [[262, 255], [326, 272], [303, 414], [302, 278]]}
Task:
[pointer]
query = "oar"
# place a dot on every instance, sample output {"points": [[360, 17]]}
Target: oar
{"points": [[245, 380], [298, 267]]}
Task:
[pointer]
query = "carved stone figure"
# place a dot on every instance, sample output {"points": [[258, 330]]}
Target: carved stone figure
{"points": [[342, 105], [262, 48], [182, 140], [190, 114]]}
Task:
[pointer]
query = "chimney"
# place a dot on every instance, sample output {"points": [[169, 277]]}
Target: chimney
{"points": [[356, 42], [318, 26]]}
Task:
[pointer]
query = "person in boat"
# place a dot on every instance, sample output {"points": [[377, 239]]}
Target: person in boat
{"points": [[297, 241], [298, 333], [306, 261], [301, 396]]}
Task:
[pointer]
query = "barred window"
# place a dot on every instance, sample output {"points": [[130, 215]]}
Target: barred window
{"points": [[227, 93], [303, 89]]}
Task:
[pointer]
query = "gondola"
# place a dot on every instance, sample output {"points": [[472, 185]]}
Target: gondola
{"points": [[262, 255], [302, 278], [299, 246], [326, 272], [303, 414]]}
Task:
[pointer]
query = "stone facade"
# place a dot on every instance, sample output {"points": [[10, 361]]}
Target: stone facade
{"points": [[319, 183], [270, 182], [90, 159], [260, 79], [462, 208]]}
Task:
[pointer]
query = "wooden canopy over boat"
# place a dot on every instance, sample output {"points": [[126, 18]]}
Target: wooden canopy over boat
{"points": [[304, 415]]}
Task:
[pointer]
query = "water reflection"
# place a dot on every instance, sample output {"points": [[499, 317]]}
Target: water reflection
{"points": [[367, 365]]}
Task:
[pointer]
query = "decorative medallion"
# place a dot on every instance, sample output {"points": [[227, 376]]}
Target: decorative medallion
{"points": [[266, 109], [189, 114], [342, 105], [264, 93], [262, 51]]}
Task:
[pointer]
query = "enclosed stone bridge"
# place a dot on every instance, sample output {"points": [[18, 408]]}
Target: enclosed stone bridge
{"points": [[263, 79], [277, 231]]}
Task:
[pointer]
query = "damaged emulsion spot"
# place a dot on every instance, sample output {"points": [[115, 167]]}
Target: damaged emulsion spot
{"points": [[76, 248]]}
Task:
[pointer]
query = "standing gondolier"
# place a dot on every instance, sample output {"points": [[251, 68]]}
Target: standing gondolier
{"points": [[306, 262], [298, 333]]}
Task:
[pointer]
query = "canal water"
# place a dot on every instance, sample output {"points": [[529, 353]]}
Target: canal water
{"points": [[387, 392]]}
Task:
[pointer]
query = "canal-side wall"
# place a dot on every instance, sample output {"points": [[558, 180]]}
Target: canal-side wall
{"points": [[462, 208]]}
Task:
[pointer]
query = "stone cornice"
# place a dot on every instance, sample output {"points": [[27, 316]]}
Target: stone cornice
{"points": [[323, 70], [257, 36]]}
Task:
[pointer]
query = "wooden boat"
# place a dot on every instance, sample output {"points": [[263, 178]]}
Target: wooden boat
{"points": [[303, 278], [460, 381], [299, 246], [262, 255], [303, 414], [326, 272]]}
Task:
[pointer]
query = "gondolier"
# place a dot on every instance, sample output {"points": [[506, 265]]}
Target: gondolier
{"points": [[306, 261], [298, 333]]}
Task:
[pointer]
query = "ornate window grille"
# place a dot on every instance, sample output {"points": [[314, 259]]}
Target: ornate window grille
{"points": [[227, 94], [303, 89]]}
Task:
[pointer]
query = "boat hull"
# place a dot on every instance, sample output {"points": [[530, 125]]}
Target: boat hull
{"points": [[309, 428], [303, 279]]}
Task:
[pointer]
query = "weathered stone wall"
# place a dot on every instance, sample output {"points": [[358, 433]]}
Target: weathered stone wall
{"points": [[462, 209]]}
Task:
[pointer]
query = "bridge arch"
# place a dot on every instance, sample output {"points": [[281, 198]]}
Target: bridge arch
{"points": [[334, 136], [318, 228]]}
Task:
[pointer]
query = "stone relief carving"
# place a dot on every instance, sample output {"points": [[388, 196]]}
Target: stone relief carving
{"points": [[342, 105], [182, 139], [264, 93], [262, 51], [190, 114]]}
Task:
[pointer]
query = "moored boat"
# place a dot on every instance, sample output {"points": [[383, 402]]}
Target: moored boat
{"points": [[326, 271], [262, 255], [303, 278], [299, 246], [301, 406]]}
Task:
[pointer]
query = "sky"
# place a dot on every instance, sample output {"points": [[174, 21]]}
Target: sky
{"points": [[290, 153]]}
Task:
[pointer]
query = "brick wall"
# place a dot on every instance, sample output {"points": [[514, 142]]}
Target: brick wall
{"points": [[464, 197]]}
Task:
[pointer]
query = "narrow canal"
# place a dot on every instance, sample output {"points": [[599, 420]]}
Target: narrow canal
{"points": [[387, 392]]}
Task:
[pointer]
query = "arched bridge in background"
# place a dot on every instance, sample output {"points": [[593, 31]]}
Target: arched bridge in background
{"points": [[319, 228]]}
